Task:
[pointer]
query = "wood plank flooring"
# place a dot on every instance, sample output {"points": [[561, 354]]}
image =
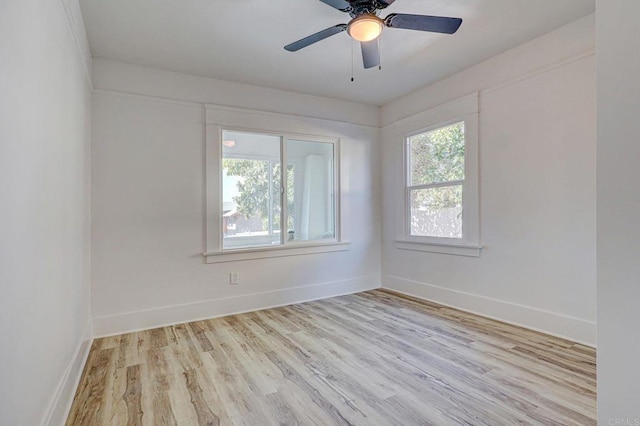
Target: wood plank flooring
{"points": [[373, 358]]}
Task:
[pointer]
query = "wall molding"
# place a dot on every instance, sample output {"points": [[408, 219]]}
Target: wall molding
{"points": [[159, 83], [575, 329], [226, 108], [169, 315], [149, 98], [212, 109], [541, 70], [461, 106], [62, 399], [524, 76], [75, 23]]}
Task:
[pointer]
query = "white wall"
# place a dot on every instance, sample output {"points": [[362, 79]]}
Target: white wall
{"points": [[45, 208], [148, 191], [537, 189], [618, 176]]}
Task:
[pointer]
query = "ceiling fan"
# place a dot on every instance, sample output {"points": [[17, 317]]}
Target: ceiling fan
{"points": [[365, 26]]}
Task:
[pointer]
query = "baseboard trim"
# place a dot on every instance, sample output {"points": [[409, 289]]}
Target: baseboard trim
{"points": [[65, 391], [160, 317], [575, 329]]}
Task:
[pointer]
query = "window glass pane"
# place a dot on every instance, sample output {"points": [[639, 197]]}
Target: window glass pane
{"points": [[437, 156], [250, 190], [437, 212], [310, 194]]}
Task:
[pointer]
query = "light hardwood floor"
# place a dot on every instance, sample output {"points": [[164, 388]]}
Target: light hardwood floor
{"points": [[373, 358]]}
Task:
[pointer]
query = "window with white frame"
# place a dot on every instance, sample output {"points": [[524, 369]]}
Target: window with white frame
{"points": [[441, 202], [263, 205], [435, 165]]}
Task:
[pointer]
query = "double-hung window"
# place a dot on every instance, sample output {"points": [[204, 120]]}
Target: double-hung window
{"points": [[261, 206], [435, 165], [440, 182]]}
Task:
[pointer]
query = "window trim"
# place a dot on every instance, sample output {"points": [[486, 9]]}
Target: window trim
{"points": [[215, 252], [275, 251], [461, 110]]}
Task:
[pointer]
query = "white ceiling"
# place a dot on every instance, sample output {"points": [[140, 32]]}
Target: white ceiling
{"points": [[242, 40]]}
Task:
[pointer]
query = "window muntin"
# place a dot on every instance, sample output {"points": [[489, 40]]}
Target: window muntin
{"points": [[435, 182], [257, 196]]}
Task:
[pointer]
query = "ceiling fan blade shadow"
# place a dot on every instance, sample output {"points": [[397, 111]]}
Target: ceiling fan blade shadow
{"points": [[370, 53], [434, 24], [341, 5], [314, 38]]}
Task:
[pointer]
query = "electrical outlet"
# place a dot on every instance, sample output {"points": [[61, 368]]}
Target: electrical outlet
{"points": [[234, 277]]}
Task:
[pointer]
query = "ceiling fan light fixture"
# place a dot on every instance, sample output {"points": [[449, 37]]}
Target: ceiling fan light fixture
{"points": [[365, 27]]}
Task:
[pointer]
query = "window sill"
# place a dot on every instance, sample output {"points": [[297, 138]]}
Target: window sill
{"points": [[278, 251], [454, 249]]}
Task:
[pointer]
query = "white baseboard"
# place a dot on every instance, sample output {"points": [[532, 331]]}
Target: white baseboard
{"points": [[63, 398], [160, 317], [575, 329]]}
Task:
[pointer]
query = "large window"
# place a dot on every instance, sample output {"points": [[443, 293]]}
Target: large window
{"points": [[265, 205], [441, 198]]}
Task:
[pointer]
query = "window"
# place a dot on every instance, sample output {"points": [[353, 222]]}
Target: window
{"points": [[258, 195], [440, 181], [435, 182], [262, 206]]}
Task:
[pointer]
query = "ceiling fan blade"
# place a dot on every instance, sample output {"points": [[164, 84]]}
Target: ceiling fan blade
{"points": [[370, 53], [434, 24], [384, 3], [342, 5], [314, 38]]}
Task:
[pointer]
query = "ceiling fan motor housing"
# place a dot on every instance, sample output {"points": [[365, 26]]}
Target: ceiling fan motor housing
{"points": [[370, 7]]}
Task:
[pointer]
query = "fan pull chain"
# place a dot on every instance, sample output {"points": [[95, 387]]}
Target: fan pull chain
{"points": [[380, 54], [352, 79]]}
